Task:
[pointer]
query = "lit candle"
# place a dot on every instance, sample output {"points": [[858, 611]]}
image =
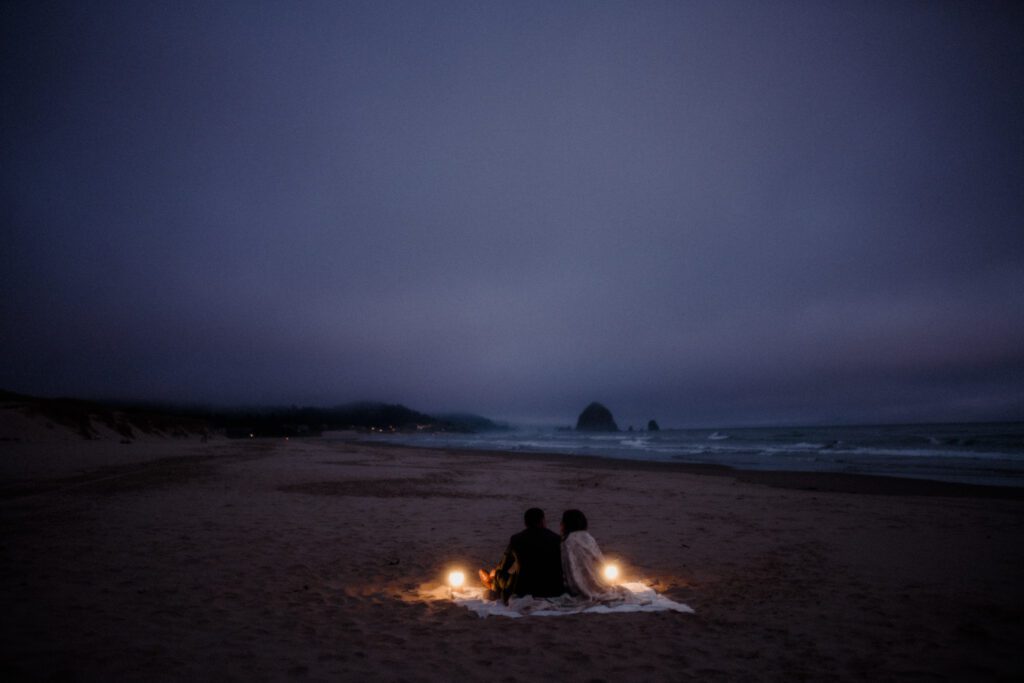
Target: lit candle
{"points": [[611, 572]]}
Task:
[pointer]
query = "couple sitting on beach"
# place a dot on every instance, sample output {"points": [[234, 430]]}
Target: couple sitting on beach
{"points": [[541, 564]]}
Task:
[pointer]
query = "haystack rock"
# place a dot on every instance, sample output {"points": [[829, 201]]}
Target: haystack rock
{"points": [[652, 426], [596, 418]]}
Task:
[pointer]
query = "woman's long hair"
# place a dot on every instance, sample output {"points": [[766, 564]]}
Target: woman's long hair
{"points": [[573, 520]]}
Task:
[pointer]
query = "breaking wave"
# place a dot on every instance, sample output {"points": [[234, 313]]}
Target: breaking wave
{"points": [[982, 453]]}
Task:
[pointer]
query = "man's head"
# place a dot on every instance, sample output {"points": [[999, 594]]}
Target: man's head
{"points": [[534, 518]]}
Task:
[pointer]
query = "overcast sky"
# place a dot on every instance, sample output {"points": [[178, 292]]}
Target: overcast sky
{"points": [[709, 213]]}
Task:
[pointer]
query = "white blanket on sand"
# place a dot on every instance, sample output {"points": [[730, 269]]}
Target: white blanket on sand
{"points": [[636, 597]]}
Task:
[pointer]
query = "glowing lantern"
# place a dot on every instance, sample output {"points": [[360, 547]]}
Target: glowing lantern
{"points": [[611, 572], [456, 579]]}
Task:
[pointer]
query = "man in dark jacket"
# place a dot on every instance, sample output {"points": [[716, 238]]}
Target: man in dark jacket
{"points": [[531, 565]]}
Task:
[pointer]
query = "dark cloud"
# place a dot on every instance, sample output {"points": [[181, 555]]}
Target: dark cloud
{"points": [[719, 213]]}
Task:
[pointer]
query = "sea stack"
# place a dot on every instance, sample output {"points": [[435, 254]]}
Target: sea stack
{"points": [[652, 426], [596, 418]]}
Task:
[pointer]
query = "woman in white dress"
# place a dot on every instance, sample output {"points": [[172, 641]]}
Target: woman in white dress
{"points": [[583, 562]]}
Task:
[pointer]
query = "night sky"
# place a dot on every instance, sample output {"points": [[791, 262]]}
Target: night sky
{"points": [[707, 213]]}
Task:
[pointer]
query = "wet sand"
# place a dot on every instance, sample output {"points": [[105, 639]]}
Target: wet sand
{"points": [[307, 559]]}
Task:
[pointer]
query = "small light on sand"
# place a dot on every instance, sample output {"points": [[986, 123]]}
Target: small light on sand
{"points": [[611, 572], [456, 579]]}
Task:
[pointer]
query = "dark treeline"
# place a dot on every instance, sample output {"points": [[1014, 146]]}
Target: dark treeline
{"points": [[129, 418], [302, 421]]}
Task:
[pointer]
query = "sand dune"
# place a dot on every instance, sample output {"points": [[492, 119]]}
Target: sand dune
{"points": [[266, 560], [28, 419]]}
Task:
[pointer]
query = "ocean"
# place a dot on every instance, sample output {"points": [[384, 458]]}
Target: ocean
{"points": [[990, 453]]}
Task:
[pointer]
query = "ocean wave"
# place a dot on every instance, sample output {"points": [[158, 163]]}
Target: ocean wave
{"points": [[929, 453], [806, 446], [942, 452]]}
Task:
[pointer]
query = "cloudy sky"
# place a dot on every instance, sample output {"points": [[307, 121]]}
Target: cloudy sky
{"points": [[712, 213]]}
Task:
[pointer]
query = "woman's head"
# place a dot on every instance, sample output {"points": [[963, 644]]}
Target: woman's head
{"points": [[573, 520]]}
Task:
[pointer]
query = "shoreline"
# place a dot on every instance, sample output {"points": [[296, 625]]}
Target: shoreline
{"points": [[98, 455], [796, 480]]}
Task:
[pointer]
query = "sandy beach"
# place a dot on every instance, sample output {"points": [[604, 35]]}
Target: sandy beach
{"points": [[308, 559]]}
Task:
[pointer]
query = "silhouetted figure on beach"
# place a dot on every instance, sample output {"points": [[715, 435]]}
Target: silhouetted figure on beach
{"points": [[531, 565]]}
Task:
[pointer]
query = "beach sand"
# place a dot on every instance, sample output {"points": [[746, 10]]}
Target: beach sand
{"points": [[307, 559]]}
